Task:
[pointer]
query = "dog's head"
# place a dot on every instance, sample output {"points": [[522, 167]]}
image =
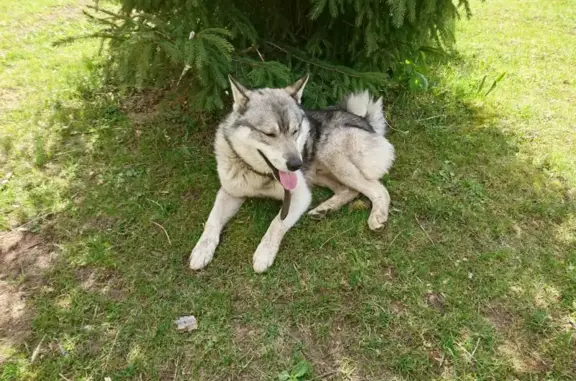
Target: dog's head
{"points": [[269, 125]]}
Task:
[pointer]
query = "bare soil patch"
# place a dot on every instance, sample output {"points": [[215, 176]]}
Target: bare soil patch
{"points": [[24, 261]]}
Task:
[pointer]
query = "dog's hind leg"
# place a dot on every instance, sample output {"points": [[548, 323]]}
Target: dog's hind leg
{"points": [[225, 207], [350, 175], [342, 196]]}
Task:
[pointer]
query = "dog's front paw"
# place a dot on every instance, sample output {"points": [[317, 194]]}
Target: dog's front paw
{"points": [[202, 254], [377, 218], [263, 259]]}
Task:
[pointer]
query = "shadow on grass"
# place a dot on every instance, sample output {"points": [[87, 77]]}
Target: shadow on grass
{"points": [[471, 277]]}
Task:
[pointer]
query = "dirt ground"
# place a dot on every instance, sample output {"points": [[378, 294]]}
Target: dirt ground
{"points": [[24, 261]]}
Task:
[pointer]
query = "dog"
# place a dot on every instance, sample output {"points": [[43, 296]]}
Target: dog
{"points": [[270, 146]]}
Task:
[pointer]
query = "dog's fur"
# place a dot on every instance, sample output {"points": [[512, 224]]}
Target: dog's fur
{"points": [[342, 148]]}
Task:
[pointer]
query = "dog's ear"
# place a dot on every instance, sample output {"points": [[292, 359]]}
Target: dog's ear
{"points": [[239, 93], [297, 88]]}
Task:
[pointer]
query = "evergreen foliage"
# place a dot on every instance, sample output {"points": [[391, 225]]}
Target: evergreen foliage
{"points": [[343, 44]]}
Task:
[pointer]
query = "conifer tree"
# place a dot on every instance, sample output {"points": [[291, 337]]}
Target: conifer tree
{"points": [[343, 44]]}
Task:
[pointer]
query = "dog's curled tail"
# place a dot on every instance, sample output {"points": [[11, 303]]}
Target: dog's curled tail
{"points": [[362, 104]]}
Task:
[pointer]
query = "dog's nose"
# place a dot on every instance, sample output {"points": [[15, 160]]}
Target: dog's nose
{"points": [[294, 164]]}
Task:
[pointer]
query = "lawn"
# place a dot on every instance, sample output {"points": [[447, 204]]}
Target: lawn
{"points": [[103, 195]]}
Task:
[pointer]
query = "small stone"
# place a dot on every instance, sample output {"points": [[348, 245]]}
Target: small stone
{"points": [[187, 323]]}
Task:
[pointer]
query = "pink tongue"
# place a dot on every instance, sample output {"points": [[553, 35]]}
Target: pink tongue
{"points": [[289, 180]]}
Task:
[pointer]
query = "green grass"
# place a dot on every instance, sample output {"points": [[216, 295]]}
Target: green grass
{"points": [[472, 279]]}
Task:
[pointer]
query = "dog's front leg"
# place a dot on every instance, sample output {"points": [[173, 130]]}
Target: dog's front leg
{"points": [[268, 247], [225, 207]]}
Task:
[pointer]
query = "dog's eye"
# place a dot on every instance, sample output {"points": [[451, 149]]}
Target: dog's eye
{"points": [[270, 135], [294, 133]]}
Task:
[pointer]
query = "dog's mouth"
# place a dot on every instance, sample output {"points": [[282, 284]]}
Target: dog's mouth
{"points": [[289, 180]]}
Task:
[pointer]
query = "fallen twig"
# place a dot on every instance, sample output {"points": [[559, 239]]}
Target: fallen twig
{"points": [[424, 230], [394, 239], [326, 375], [111, 349], [244, 366], [429, 118], [37, 350], [396, 129], [468, 353], [164, 230], [25, 224], [475, 347], [334, 236], [176, 369], [260, 55]]}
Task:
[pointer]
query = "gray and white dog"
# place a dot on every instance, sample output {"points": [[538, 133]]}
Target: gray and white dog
{"points": [[269, 144]]}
